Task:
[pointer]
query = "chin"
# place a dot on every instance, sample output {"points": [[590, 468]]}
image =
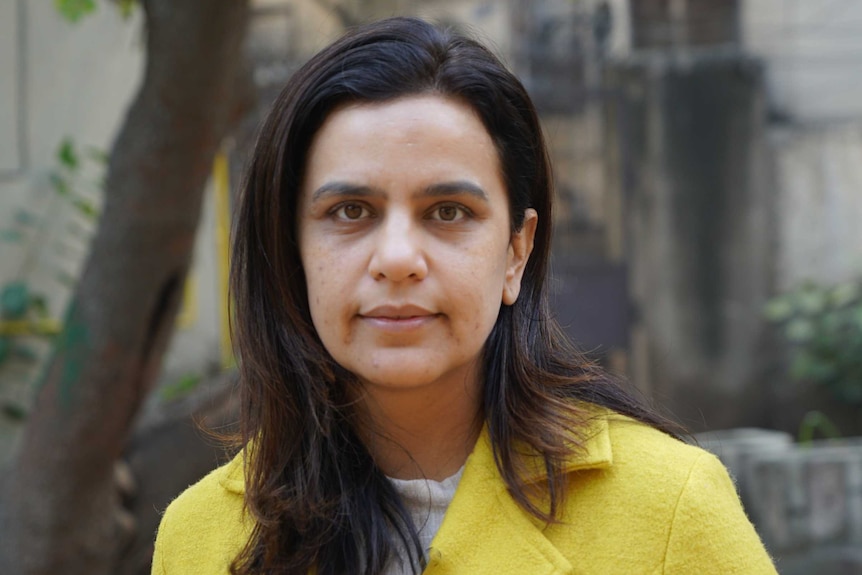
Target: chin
{"points": [[411, 369], [397, 379]]}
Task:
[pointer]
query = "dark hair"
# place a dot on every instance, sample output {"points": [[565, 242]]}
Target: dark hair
{"points": [[316, 495]]}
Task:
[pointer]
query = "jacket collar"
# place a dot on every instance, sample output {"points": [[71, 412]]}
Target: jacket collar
{"points": [[596, 454], [485, 531], [232, 476]]}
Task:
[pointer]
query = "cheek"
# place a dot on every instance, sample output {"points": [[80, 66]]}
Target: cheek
{"points": [[315, 262], [481, 291], [317, 284]]}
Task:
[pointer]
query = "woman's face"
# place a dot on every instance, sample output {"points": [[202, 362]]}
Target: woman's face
{"points": [[405, 238]]}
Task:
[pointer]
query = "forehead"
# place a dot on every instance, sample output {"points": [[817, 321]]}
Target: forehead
{"points": [[453, 115], [420, 135]]}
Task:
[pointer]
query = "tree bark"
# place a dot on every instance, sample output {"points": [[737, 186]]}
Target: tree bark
{"points": [[175, 441], [61, 509]]}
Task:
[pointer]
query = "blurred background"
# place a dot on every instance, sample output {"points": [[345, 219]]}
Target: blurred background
{"points": [[708, 163]]}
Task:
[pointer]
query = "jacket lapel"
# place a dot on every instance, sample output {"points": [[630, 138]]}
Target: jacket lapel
{"points": [[485, 531]]}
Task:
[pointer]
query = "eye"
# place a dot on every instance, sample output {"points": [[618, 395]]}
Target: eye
{"points": [[351, 211], [449, 213]]}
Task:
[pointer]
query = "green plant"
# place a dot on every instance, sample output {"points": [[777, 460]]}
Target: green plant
{"points": [[814, 421], [18, 304], [77, 181], [823, 324], [182, 387], [75, 10], [69, 175]]}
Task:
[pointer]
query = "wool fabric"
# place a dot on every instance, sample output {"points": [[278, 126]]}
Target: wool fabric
{"points": [[637, 501]]}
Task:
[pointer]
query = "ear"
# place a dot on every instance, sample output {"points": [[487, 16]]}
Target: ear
{"points": [[520, 248]]}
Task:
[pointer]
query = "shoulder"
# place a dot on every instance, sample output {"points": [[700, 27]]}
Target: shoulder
{"points": [[639, 448], [675, 502], [206, 526], [216, 498], [632, 463], [662, 472]]}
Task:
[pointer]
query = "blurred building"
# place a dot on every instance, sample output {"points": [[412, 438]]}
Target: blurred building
{"points": [[64, 89], [737, 137], [706, 156], [58, 82]]}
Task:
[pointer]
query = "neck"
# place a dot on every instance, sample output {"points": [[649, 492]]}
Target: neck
{"points": [[420, 433]]}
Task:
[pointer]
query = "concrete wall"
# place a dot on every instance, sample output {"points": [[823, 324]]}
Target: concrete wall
{"points": [[812, 49], [806, 501], [75, 80], [57, 80], [813, 55], [10, 93], [701, 191], [803, 150], [50, 75], [819, 177], [735, 208], [698, 202]]}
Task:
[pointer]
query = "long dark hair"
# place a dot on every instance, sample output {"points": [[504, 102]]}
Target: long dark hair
{"points": [[317, 498]]}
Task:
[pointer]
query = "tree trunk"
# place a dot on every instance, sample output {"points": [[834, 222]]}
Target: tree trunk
{"points": [[62, 506], [171, 452]]}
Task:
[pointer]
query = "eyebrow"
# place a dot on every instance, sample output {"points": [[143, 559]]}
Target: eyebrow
{"points": [[454, 188], [343, 189], [439, 189]]}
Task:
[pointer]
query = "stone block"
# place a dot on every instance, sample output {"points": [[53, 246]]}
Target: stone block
{"points": [[737, 447], [798, 497], [826, 487]]}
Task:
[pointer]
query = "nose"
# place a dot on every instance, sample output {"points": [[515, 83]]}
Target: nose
{"points": [[398, 252]]}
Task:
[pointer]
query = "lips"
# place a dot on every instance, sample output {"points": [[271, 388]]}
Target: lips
{"points": [[397, 312], [398, 318]]}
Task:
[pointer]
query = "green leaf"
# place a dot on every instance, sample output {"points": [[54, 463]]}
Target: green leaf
{"points": [[61, 185], [811, 300], [67, 155], [14, 300], [778, 309], [25, 218], [5, 349], [74, 10], [825, 324], [126, 7], [808, 367], [799, 330], [832, 321], [14, 412], [181, 387], [86, 208], [815, 420], [25, 352], [800, 366], [97, 154], [845, 294], [39, 305], [849, 391], [11, 236], [66, 279]]}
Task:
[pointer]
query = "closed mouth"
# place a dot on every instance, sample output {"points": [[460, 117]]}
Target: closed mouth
{"points": [[397, 313]]}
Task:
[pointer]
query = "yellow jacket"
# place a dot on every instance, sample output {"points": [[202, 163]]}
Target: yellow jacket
{"points": [[638, 502]]}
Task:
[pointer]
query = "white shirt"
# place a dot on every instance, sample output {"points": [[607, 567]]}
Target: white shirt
{"points": [[427, 501]]}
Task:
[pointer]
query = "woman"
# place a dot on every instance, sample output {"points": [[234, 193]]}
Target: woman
{"points": [[408, 402]]}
